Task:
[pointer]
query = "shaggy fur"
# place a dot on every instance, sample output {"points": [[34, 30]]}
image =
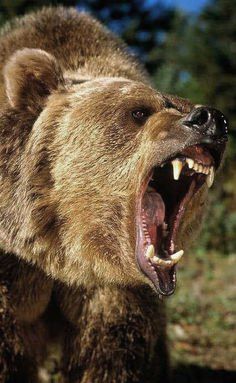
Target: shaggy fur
{"points": [[10, 344], [71, 164]]}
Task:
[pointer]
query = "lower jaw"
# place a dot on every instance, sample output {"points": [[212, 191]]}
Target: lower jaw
{"points": [[160, 270], [163, 281]]}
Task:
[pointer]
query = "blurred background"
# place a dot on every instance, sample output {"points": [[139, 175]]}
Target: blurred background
{"points": [[189, 49]]}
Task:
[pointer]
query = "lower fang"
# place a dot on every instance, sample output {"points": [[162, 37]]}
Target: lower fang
{"points": [[164, 226], [177, 256], [150, 252], [168, 262], [162, 262]]}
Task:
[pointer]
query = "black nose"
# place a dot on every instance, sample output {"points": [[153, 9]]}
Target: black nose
{"points": [[209, 122]]}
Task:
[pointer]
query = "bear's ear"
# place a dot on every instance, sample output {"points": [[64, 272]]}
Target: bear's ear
{"points": [[30, 76]]}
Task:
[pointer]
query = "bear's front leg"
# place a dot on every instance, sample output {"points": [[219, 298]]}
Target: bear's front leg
{"points": [[118, 336], [10, 344]]}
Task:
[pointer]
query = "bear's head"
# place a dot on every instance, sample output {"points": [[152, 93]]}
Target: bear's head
{"points": [[112, 175]]}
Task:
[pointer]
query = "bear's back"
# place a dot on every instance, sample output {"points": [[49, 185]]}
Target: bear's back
{"points": [[78, 41]]}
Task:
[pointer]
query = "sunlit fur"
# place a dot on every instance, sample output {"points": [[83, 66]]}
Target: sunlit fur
{"points": [[80, 178]]}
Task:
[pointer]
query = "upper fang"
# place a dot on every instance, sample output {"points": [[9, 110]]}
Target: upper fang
{"points": [[177, 167], [177, 256], [210, 177]]}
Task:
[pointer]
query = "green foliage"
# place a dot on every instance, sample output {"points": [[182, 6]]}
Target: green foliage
{"points": [[142, 24], [202, 311]]}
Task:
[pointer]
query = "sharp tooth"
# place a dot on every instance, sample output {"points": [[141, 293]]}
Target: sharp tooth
{"points": [[177, 256], [210, 177], [190, 163], [162, 262], [150, 252], [200, 168], [195, 166], [171, 261], [177, 167], [207, 170], [164, 226]]}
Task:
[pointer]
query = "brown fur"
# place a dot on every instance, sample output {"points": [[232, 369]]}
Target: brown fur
{"points": [[10, 344], [71, 164]]}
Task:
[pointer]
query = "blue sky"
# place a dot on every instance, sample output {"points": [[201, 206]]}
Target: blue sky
{"points": [[187, 5]]}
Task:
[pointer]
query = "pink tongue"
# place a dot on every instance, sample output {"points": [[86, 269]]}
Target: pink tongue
{"points": [[154, 208]]}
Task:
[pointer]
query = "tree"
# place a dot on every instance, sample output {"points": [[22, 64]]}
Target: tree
{"points": [[143, 25], [202, 55]]}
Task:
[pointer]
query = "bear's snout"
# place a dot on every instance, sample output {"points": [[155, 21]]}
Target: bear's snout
{"points": [[209, 122]]}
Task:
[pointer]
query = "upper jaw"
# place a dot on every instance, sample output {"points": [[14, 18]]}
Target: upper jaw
{"points": [[163, 197]]}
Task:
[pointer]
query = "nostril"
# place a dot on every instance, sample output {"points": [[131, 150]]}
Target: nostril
{"points": [[209, 122], [201, 117]]}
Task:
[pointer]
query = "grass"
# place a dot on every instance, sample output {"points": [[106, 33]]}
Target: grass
{"points": [[202, 326]]}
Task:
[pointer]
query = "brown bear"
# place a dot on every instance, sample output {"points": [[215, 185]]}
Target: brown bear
{"points": [[103, 183]]}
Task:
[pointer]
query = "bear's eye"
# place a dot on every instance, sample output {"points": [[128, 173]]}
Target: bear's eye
{"points": [[140, 115]]}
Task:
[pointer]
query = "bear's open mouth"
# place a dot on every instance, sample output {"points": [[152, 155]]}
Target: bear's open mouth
{"points": [[162, 201]]}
